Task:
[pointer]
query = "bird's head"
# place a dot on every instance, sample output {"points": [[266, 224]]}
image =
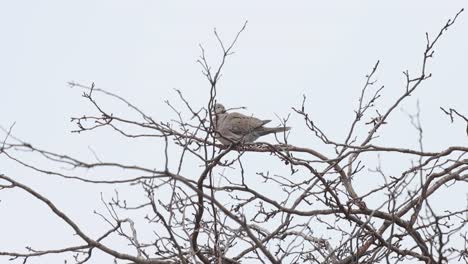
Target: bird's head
{"points": [[219, 109]]}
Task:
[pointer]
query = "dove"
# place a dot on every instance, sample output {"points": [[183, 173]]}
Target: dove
{"points": [[238, 128]]}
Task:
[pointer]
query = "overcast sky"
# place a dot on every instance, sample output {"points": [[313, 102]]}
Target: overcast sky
{"points": [[142, 50]]}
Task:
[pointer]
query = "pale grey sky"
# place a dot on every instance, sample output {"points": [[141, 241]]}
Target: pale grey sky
{"points": [[142, 50]]}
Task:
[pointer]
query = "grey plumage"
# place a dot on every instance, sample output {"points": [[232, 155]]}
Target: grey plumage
{"points": [[238, 128]]}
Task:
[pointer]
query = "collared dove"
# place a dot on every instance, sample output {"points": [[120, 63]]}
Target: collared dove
{"points": [[238, 128]]}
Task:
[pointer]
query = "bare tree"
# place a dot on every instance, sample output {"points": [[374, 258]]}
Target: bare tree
{"points": [[210, 216]]}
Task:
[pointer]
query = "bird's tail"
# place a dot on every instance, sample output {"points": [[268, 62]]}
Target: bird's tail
{"points": [[269, 130]]}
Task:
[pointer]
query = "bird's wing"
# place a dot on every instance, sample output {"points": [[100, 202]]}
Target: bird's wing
{"points": [[241, 124]]}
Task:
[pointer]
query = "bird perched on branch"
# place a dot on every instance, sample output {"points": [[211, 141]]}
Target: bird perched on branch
{"points": [[238, 128]]}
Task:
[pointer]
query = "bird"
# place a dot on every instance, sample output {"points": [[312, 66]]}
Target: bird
{"points": [[238, 128]]}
